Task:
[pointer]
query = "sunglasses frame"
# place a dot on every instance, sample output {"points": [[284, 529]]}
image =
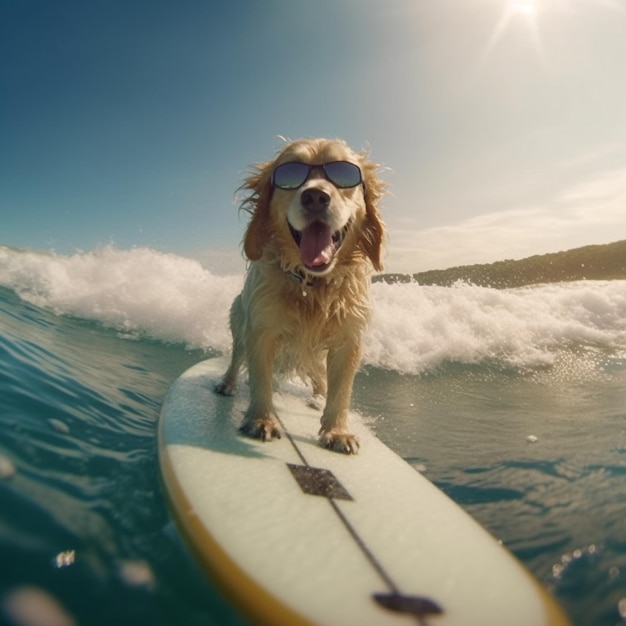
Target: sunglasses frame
{"points": [[311, 167]]}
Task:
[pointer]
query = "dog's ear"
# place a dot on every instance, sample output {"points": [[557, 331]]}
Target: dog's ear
{"points": [[373, 234], [258, 204], [373, 237]]}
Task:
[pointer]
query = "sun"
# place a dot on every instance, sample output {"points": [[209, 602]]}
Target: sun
{"points": [[530, 21], [522, 12], [528, 8]]}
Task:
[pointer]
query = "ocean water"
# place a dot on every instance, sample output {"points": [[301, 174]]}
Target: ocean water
{"points": [[513, 402]]}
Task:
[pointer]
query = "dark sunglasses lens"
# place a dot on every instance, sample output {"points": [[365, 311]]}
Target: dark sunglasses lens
{"points": [[290, 175], [343, 174]]}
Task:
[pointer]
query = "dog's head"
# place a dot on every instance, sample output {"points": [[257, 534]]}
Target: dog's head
{"points": [[315, 207]]}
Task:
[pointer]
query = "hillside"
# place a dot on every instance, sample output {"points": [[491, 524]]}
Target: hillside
{"points": [[599, 262]]}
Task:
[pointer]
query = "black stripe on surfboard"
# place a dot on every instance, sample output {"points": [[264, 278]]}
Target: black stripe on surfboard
{"points": [[322, 482], [315, 481]]}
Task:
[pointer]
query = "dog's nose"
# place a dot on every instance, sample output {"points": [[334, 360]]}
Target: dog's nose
{"points": [[314, 200]]}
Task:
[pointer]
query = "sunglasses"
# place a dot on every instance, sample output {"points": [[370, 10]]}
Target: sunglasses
{"points": [[293, 175]]}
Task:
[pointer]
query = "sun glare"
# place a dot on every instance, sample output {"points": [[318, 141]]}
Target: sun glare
{"points": [[531, 20], [525, 12], [524, 7]]}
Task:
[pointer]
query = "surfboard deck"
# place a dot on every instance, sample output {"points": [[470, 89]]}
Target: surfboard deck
{"points": [[297, 535]]}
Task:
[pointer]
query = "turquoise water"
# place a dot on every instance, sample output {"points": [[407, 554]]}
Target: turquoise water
{"points": [[455, 380]]}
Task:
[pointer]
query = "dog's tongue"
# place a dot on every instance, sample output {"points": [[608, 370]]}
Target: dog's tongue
{"points": [[316, 244]]}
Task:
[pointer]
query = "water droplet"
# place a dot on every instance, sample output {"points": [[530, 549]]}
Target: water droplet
{"points": [[32, 606], [7, 468], [65, 558], [557, 570], [137, 574]]}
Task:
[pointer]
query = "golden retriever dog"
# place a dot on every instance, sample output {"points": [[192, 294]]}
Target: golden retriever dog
{"points": [[314, 237]]}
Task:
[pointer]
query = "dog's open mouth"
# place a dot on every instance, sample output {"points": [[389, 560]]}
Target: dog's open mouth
{"points": [[318, 245]]}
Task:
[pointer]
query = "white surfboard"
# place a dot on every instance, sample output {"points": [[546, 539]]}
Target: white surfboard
{"points": [[298, 535]]}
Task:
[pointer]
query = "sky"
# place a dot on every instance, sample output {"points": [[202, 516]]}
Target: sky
{"points": [[501, 124]]}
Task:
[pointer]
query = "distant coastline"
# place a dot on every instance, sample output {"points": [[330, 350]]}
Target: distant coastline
{"points": [[597, 262]]}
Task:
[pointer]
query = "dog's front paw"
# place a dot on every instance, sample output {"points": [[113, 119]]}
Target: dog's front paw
{"points": [[263, 428], [339, 441]]}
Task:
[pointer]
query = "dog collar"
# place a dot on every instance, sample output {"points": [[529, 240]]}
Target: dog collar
{"points": [[301, 277]]}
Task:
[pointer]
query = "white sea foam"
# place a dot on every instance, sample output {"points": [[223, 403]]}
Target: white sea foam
{"points": [[163, 296], [417, 328], [413, 329]]}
